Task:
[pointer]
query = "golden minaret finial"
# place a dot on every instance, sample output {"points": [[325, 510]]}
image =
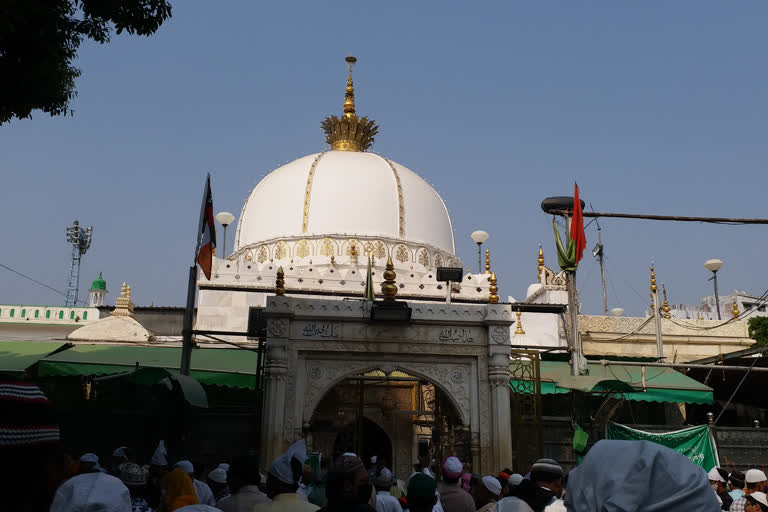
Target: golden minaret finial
{"points": [[519, 329], [493, 298], [735, 311], [487, 261], [540, 262], [280, 282], [349, 96], [388, 286], [349, 133], [653, 289], [666, 304]]}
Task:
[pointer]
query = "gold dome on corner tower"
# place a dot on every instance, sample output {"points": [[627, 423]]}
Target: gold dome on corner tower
{"points": [[349, 132]]}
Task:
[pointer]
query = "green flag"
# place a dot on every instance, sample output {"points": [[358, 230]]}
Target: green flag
{"points": [[368, 294], [696, 443]]}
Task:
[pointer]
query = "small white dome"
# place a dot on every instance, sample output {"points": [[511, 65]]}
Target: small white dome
{"points": [[345, 193]]}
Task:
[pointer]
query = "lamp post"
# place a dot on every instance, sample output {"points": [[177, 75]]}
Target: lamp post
{"points": [[479, 237], [713, 266], [225, 219]]}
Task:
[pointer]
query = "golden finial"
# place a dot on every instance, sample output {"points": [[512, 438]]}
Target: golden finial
{"points": [[349, 96], [519, 329], [540, 261], [280, 282], [493, 298], [735, 311], [653, 280], [666, 304], [349, 133], [487, 261], [333, 260], [388, 287]]}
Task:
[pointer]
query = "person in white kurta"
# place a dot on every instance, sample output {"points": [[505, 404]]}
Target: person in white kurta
{"points": [[385, 502]]}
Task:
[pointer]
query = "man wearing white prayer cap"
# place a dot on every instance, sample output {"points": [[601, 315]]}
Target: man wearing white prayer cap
{"points": [[486, 494], [639, 476], [757, 502], [385, 502], [202, 490], [283, 481], [756, 482], [89, 463], [717, 480], [452, 496], [92, 492], [217, 481]]}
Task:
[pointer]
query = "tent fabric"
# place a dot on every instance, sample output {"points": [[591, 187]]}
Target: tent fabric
{"points": [[220, 367], [661, 384], [17, 356]]}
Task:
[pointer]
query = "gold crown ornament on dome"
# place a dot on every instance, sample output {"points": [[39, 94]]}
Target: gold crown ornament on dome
{"points": [[349, 132]]}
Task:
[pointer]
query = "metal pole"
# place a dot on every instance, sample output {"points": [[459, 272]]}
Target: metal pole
{"points": [[479, 257], [224, 249], [574, 320], [659, 340], [186, 332], [717, 297], [602, 271], [605, 362]]}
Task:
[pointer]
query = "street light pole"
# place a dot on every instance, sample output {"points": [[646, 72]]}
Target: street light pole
{"points": [[713, 266], [479, 237], [225, 219]]}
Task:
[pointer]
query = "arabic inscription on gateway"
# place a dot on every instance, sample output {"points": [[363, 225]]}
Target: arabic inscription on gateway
{"points": [[321, 330], [456, 335]]}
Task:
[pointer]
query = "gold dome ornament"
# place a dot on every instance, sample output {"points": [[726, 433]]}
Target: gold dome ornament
{"points": [[666, 304], [388, 286], [493, 298], [280, 282], [735, 311], [540, 262], [487, 261], [653, 290], [349, 132], [519, 329]]}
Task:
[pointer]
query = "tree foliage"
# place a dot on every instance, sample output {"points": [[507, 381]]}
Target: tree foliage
{"points": [[758, 329], [39, 40]]}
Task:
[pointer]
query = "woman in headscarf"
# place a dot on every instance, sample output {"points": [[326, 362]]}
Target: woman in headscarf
{"points": [[179, 490]]}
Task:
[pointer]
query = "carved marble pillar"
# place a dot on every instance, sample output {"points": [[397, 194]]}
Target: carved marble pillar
{"points": [[273, 441], [498, 379]]}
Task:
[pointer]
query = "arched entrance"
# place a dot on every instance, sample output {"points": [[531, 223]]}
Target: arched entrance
{"points": [[367, 441], [400, 417]]}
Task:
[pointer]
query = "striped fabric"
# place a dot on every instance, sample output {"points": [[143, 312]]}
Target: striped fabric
{"points": [[26, 415]]}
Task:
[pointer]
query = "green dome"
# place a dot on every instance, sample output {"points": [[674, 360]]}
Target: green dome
{"points": [[99, 283]]}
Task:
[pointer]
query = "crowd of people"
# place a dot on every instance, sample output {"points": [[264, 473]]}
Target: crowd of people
{"points": [[614, 476]]}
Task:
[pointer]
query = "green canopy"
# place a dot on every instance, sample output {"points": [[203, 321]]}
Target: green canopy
{"points": [[215, 366], [17, 356], [661, 384]]}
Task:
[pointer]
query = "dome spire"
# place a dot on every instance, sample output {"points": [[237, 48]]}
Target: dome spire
{"points": [[349, 133]]}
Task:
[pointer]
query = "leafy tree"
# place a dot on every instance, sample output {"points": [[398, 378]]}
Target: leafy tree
{"points": [[758, 329], [39, 40]]}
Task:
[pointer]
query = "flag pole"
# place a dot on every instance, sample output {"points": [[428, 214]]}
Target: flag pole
{"points": [[206, 220], [186, 332]]}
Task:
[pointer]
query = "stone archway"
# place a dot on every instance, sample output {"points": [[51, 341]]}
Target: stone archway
{"points": [[452, 379], [372, 413]]}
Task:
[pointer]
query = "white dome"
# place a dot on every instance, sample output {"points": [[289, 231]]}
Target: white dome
{"points": [[345, 193]]}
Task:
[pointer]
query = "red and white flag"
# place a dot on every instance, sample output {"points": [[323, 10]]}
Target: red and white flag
{"points": [[206, 232]]}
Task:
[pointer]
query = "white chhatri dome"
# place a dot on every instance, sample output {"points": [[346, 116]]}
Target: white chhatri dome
{"points": [[345, 193]]}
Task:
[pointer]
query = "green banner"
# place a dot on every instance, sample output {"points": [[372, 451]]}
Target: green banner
{"points": [[696, 443]]}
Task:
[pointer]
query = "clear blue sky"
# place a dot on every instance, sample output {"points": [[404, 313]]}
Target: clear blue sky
{"points": [[653, 107]]}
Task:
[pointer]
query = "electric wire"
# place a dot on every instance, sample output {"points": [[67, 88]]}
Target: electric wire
{"points": [[39, 282]]}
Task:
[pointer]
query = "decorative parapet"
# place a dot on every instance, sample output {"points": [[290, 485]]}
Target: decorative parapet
{"points": [[593, 324]]}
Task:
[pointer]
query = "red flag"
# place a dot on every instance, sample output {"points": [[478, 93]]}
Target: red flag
{"points": [[206, 232], [577, 225]]}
